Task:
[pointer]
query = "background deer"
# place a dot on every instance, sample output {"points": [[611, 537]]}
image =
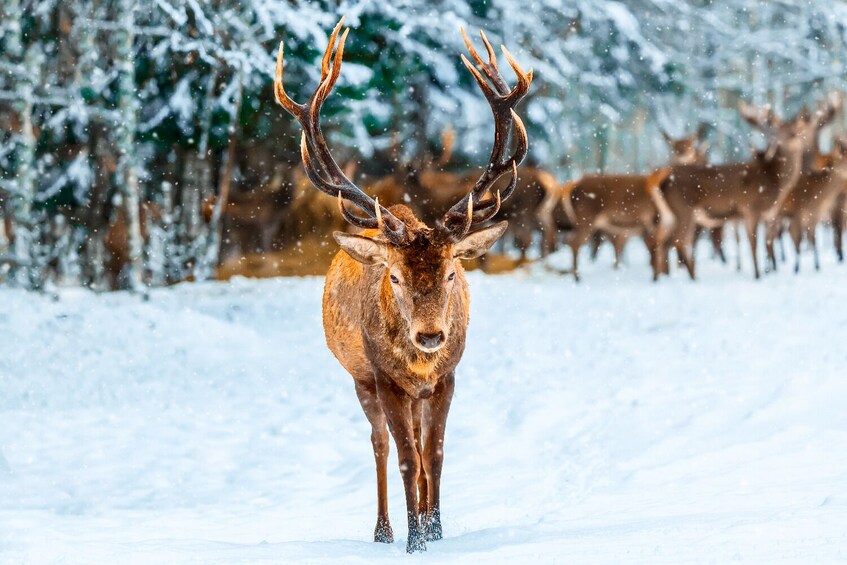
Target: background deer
{"points": [[710, 195], [809, 204], [820, 188], [619, 205], [395, 304]]}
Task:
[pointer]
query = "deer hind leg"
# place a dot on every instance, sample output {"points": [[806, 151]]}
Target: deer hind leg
{"points": [[397, 407], [379, 438], [433, 453]]}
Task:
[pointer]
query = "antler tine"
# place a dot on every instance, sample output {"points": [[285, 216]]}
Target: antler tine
{"points": [[282, 97], [502, 101], [323, 171], [490, 68], [330, 47], [364, 223]]}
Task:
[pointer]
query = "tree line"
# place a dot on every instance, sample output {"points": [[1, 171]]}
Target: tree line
{"points": [[127, 127]]}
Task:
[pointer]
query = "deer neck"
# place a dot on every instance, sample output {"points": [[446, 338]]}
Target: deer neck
{"points": [[788, 165]]}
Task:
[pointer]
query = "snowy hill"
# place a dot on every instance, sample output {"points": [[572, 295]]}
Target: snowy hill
{"points": [[613, 421]]}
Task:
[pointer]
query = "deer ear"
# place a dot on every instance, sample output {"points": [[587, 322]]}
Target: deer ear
{"points": [[363, 249], [478, 242]]}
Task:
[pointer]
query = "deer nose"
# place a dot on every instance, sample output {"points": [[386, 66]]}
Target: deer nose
{"points": [[430, 341]]}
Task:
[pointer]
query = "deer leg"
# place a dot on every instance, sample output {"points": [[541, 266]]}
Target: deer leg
{"points": [[716, 236], [737, 229], [685, 248], [575, 267], [770, 234], [596, 242], [417, 409], [796, 233], [578, 239], [783, 257], [379, 438], [838, 217], [398, 411], [753, 237], [653, 248], [433, 454], [618, 242], [811, 237]]}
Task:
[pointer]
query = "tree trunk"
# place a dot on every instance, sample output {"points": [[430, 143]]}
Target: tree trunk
{"points": [[23, 195], [127, 165]]}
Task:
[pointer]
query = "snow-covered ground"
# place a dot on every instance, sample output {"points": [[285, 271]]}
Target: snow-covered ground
{"points": [[612, 421]]}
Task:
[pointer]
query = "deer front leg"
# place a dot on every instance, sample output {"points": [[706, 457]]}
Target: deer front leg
{"points": [[771, 229], [379, 439], [417, 414], [433, 454], [397, 406], [751, 224]]}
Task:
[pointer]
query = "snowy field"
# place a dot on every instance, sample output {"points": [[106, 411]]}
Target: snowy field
{"points": [[612, 421]]}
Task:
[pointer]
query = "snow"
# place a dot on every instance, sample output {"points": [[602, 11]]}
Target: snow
{"points": [[612, 421]]}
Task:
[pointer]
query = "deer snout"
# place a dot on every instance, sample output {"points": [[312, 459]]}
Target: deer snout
{"points": [[430, 341]]}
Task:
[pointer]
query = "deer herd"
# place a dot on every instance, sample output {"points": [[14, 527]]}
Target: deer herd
{"points": [[790, 186]]}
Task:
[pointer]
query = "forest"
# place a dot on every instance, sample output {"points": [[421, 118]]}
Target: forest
{"points": [[140, 144]]}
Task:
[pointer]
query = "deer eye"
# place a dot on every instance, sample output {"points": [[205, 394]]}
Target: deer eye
{"points": [[451, 276], [394, 279]]}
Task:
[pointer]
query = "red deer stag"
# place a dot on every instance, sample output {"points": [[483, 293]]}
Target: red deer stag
{"points": [[395, 303]]}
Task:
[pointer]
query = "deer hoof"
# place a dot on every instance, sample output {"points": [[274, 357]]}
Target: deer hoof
{"points": [[383, 532], [434, 532], [416, 542]]}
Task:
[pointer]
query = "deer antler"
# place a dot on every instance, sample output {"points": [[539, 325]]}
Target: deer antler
{"points": [[312, 142], [471, 209]]}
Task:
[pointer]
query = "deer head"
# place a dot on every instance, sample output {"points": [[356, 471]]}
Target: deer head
{"points": [[782, 135], [419, 263], [689, 150]]}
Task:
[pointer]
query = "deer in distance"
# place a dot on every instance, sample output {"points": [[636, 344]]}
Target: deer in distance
{"points": [[395, 302], [751, 191], [619, 205]]}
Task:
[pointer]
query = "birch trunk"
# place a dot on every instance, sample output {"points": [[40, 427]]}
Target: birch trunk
{"points": [[23, 195], [127, 165], [211, 256]]}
